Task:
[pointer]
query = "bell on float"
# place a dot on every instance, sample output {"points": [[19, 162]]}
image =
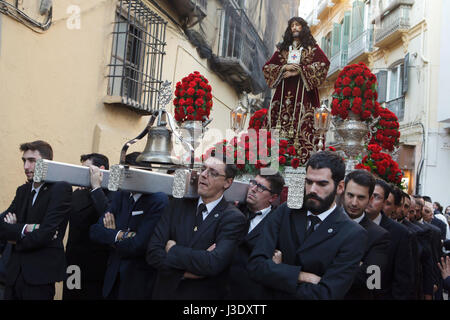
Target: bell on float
{"points": [[159, 146]]}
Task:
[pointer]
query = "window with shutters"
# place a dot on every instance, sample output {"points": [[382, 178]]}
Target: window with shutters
{"points": [[135, 70], [357, 19], [391, 88], [326, 44]]}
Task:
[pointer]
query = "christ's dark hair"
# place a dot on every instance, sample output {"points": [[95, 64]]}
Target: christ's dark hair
{"points": [[306, 38]]}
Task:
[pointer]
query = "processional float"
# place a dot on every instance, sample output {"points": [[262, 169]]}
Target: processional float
{"points": [[157, 156]]}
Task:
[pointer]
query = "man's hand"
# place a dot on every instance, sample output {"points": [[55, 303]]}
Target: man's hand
{"points": [[277, 256], [308, 277], [96, 176], [189, 275], [31, 227], [10, 218], [170, 244], [444, 266], [109, 221]]}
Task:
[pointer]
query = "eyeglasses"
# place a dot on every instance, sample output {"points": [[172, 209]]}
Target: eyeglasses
{"points": [[259, 187], [211, 172]]}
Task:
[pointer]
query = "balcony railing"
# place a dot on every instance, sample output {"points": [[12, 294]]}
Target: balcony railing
{"points": [[242, 54], [362, 44], [396, 20], [397, 106], [338, 62]]}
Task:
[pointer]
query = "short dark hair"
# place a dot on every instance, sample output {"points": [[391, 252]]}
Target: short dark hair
{"points": [[44, 148], [230, 168], [330, 160], [397, 193], [97, 159], [363, 178], [405, 195], [276, 181], [427, 199], [383, 184], [439, 207]]}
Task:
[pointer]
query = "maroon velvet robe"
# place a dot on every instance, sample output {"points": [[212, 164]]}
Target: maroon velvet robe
{"points": [[313, 72]]}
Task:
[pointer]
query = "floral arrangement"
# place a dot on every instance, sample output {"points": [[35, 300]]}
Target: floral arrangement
{"points": [[355, 91], [250, 155], [382, 165], [387, 134], [258, 120], [193, 98]]}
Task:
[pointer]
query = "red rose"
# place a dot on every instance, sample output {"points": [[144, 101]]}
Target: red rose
{"points": [[190, 91], [190, 117], [291, 151], [281, 159], [192, 84], [345, 104], [281, 151], [283, 144], [347, 92], [175, 102], [295, 163], [346, 81], [356, 92], [359, 80], [199, 102], [357, 102], [190, 109], [189, 101], [209, 96], [182, 102], [332, 148], [374, 148]]}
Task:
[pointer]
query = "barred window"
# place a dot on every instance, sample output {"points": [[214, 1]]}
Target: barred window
{"points": [[137, 56]]}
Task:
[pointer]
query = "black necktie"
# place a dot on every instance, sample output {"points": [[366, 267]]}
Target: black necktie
{"points": [[30, 204], [251, 215], [33, 192], [314, 221], [199, 216]]}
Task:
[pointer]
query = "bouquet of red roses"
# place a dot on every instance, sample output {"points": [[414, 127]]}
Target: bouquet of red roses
{"points": [[251, 153], [258, 120], [387, 134], [382, 165], [193, 98], [355, 91]]}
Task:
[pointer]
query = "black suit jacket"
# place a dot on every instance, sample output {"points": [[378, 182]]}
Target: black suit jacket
{"points": [[127, 257], [225, 226], [333, 252], [240, 285], [441, 225], [90, 256], [377, 254], [38, 256], [399, 276]]}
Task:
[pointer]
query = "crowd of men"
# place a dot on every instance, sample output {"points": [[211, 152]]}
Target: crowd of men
{"points": [[356, 237]]}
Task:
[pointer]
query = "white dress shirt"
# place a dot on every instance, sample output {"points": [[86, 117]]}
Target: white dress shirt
{"points": [[209, 206], [321, 216], [377, 220], [257, 219]]}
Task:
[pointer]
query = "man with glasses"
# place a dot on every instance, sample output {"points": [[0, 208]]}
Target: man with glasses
{"points": [[261, 195], [193, 244]]}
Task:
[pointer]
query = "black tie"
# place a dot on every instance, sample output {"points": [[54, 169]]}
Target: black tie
{"points": [[30, 204], [251, 215], [199, 216], [314, 221], [33, 192]]}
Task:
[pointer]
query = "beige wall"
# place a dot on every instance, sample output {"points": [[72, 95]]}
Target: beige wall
{"points": [[52, 87]]}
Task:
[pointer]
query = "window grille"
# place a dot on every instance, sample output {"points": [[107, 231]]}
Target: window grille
{"points": [[137, 56]]}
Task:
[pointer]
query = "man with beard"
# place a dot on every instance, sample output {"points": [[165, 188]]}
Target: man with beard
{"points": [[264, 190], [193, 244], [319, 247], [296, 70], [359, 186], [399, 276], [35, 223]]}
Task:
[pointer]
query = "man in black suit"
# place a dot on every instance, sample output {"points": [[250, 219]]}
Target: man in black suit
{"points": [[194, 242], [319, 246], [262, 193], [35, 223], [81, 251], [398, 282], [428, 217], [422, 262], [359, 186], [126, 226]]}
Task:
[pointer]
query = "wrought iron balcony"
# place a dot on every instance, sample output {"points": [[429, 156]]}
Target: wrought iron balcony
{"points": [[242, 53], [362, 45], [338, 62], [397, 106], [392, 25]]}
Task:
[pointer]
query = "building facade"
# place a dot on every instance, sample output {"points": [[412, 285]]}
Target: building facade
{"points": [[402, 42]]}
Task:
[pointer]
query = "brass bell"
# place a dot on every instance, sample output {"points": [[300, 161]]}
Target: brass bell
{"points": [[159, 146]]}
